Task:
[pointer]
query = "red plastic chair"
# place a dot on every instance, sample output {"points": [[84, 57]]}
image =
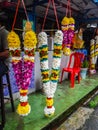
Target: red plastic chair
{"points": [[76, 58]]}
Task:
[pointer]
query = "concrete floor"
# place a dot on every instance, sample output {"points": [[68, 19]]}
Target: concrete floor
{"points": [[92, 122]]}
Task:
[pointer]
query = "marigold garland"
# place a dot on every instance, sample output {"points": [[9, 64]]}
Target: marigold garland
{"points": [[30, 42], [23, 66], [49, 81], [16, 60]]}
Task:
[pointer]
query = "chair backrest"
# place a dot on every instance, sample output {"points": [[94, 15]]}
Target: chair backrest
{"points": [[76, 58]]}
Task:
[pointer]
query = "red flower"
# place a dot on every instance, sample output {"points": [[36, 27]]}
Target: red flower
{"points": [[23, 103]]}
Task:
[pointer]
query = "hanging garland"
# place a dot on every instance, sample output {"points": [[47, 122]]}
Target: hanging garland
{"points": [[71, 30], [93, 54], [50, 79], [96, 48], [92, 44], [16, 60], [67, 27], [23, 66]]}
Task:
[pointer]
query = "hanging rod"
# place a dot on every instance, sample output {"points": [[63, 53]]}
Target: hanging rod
{"points": [[48, 30], [18, 29]]}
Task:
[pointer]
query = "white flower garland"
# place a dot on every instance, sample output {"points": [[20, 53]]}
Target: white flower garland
{"points": [[50, 80]]}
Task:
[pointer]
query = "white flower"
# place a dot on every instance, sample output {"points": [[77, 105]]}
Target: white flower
{"points": [[11, 48], [16, 58], [28, 57], [45, 85], [58, 37], [96, 38], [42, 39], [92, 41], [53, 87], [28, 49], [46, 88], [50, 94], [56, 63], [44, 65], [23, 98], [49, 111]]}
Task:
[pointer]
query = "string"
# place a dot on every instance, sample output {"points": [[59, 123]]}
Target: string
{"points": [[15, 14], [25, 10], [55, 12], [46, 14], [68, 10], [47, 9]]}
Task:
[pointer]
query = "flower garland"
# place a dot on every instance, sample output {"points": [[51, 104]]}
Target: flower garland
{"points": [[30, 41], [93, 54], [71, 30], [64, 27], [49, 81], [16, 60], [96, 48], [67, 26], [23, 66]]}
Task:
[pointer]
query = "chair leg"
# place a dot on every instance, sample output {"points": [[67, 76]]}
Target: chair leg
{"points": [[10, 92], [2, 104], [72, 80], [79, 77], [62, 76]]}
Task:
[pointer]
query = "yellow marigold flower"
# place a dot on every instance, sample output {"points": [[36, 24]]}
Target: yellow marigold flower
{"points": [[13, 40], [65, 21], [49, 102], [23, 91], [44, 80], [58, 55], [23, 110], [58, 47], [30, 39], [43, 49], [71, 20], [44, 57]]}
